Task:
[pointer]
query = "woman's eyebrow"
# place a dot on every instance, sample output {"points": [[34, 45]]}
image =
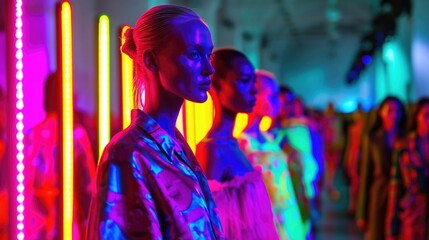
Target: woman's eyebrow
{"points": [[202, 47]]}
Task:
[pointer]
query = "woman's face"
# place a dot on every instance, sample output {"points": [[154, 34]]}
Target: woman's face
{"points": [[390, 114], [184, 63], [298, 108], [423, 119], [267, 99], [286, 105], [237, 89]]}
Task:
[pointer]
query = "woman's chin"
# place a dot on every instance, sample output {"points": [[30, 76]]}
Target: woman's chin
{"points": [[247, 110], [198, 99]]}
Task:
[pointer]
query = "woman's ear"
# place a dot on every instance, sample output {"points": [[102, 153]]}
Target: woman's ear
{"points": [[149, 60]]}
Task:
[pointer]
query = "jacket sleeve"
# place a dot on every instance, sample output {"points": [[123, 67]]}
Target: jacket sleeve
{"points": [[366, 170], [395, 193], [122, 206]]}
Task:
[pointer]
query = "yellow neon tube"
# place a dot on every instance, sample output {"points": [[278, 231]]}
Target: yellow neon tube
{"points": [[103, 83], [127, 83], [189, 118], [179, 122], [67, 117], [198, 121], [240, 124], [265, 124]]}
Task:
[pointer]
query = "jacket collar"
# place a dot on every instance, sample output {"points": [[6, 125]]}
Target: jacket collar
{"points": [[159, 135]]}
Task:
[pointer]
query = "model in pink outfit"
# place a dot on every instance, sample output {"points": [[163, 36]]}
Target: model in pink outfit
{"points": [[262, 150], [237, 187]]}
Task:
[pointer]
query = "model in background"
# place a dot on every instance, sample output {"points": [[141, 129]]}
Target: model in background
{"points": [[333, 144], [377, 155], [294, 137], [407, 215], [262, 150], [42, 173], [237, 187], [149, 184], [353, 155]]}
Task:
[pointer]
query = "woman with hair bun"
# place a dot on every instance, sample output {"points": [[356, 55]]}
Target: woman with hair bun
{"points": [[149, 184]]}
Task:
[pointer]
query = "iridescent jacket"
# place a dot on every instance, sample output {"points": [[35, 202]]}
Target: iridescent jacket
{"points": [[150, 186]]}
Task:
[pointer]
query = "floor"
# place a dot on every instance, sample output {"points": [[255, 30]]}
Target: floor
{"points": [[335, 223]]}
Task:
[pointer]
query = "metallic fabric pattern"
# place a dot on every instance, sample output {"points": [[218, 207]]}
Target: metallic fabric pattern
{"points": [[150, 186]]}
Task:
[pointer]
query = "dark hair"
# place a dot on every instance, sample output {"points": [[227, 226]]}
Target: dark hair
{"points": [[419, 105], [378, 124], [222, 60], [150, 33], [285, 89], [263, 77], [51, 100]]}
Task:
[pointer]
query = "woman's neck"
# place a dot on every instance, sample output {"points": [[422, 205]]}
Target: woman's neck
{"points": [[423, 133], [393, 131], [162, 105], [253, 124], [391, 137], [164, 112], [223, 124]]}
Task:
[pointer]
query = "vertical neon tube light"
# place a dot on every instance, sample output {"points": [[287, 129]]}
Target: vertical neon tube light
{"points": [[127, 82], [103, 83], [265, 124], [240, 124], [242, 120], [66, 69], [198, 120], [204, 113], [19, 76], [179, 122], [189, 118]]}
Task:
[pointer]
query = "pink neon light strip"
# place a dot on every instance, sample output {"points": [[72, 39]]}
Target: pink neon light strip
{"points": [[19, 121]]}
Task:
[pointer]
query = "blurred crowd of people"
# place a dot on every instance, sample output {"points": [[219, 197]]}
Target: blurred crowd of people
{"points": [[42, 170]]}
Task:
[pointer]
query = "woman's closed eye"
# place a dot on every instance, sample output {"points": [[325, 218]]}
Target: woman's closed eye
{"points": [[244, 80], [194, 55]]}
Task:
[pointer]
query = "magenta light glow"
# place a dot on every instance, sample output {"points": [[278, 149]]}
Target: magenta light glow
{"points": [[19, 104]]}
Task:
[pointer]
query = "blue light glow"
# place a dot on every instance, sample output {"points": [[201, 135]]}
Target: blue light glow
{"points": [[366, 59], [348, 106]]}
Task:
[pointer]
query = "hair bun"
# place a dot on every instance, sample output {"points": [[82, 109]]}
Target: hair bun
{"points": [[129, 46]]}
